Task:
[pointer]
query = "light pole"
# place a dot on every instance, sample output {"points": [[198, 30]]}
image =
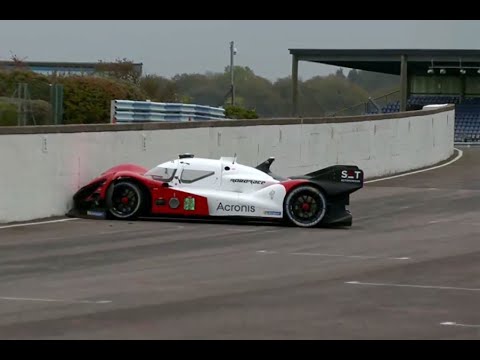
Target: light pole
{"points": [[233, 52]]}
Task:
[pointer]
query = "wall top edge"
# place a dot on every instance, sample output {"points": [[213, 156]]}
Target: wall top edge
{"points": [[56, 129]]}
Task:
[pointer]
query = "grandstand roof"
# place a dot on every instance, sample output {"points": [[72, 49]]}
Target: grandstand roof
{"points": [[66, 67], [389, 60]]}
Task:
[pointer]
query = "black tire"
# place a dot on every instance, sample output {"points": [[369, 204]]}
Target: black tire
{"points": [[125, 200], [305, 206]]}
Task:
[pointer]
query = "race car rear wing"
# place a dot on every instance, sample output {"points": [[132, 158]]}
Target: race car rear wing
{"points": [[348, 174], [338, 173]]}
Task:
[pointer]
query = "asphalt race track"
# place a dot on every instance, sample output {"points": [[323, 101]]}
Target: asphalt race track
{"points": [[409, 268]]}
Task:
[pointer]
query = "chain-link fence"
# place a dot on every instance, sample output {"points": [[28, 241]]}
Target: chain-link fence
{"points": [[34, 103]]}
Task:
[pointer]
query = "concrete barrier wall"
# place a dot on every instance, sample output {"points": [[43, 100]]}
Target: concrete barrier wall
{"points": [[42, 167]]}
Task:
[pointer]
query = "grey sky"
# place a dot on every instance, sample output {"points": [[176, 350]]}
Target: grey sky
{"points": [[169, 47]]}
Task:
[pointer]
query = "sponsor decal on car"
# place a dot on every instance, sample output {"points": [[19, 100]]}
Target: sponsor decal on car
{"points": [[189, 204], [352, 176], [246, 181], [272, 213], [236, 208]]}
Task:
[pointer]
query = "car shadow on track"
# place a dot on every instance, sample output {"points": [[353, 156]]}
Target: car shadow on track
{"points": [[242, 222]]}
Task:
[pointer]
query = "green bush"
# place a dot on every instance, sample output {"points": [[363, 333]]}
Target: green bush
{"points": [[38, 85], [42, 110], [87, 99], [237, 112], [8, 114], [39, 112]]}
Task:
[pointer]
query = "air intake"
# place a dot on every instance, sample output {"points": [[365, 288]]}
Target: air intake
{"points": [[186, 156]]}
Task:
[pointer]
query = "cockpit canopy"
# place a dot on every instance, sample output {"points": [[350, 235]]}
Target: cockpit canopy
{"points": [[224, 172]]}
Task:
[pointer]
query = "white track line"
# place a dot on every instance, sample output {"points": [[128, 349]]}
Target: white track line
{"points": [[365, 257], [38, 223], [448, 323], [56, 300], [412, 286], [460, 154]]}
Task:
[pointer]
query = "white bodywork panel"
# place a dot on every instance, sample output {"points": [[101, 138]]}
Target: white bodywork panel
{"points": [[232, 189]]}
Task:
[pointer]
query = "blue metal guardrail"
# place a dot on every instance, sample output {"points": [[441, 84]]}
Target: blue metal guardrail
{"points": [[127, 111]]}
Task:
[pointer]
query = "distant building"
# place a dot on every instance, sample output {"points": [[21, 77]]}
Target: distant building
{"points": [[63, 68]]}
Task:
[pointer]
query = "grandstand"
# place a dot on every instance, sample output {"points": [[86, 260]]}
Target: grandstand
{"points": [[467, 113], [426, 77]]}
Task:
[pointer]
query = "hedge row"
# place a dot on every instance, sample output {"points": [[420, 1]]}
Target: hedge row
{"points": [[39, 112], [86, 98]]}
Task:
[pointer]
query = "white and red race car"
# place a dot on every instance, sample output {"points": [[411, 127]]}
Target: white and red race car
{"points": [[207, 188]]}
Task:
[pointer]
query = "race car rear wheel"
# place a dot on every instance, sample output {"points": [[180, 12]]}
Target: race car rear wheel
{"points": [[125, 200], [305, 206]]}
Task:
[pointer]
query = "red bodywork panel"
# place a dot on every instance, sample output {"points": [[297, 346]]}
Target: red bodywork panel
{"points": [[160, 195], [108, 177], [105, 179], [126, 167], [166, 194], [290, 184]]}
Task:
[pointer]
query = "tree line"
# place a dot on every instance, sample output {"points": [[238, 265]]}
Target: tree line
{"points": [[87, 98]]}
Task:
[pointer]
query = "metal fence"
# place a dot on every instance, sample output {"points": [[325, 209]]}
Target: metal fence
{"points": [[127, 111], [371, 106], [32, 104]]}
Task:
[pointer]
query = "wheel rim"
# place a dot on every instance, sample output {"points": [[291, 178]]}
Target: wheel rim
{"points": [[125, 200], [306, 208]]}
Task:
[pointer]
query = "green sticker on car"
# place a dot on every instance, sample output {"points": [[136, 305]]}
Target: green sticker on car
{"points": [[189, 204]]}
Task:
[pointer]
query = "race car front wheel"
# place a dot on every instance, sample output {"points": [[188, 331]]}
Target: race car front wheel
{"points": [[125, 200], [305, 206]]}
